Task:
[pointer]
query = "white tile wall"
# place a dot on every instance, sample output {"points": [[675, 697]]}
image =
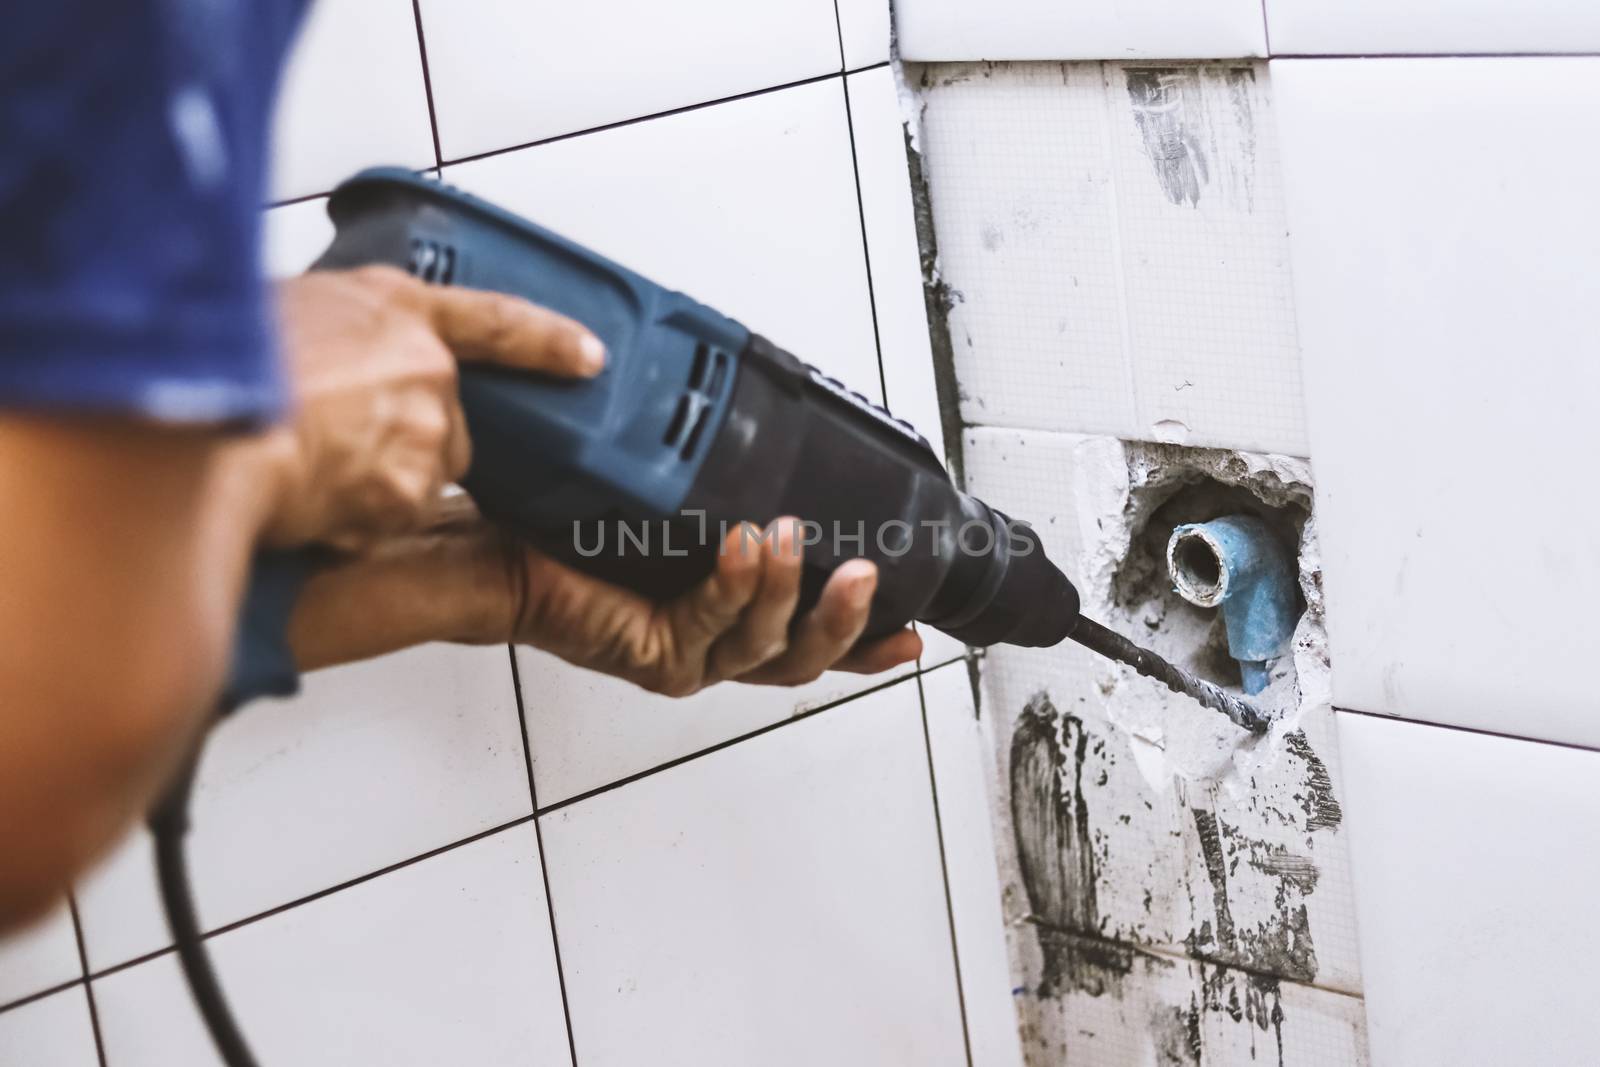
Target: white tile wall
{"points": [[508, 72], [1476, 858], [1115, 238], [371, 765], [964, 771], [446, 961], [352, 97], [1442, 212], [749, 206], [1300, 27], [1079, 29], [53, 1032], [776, 902], [39, 957]]}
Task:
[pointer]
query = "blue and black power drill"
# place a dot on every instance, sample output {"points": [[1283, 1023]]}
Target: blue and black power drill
{"points": [[694, 425]]}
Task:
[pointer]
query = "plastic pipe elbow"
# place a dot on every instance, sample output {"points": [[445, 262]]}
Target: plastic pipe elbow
{"points": [[1237, 563]]}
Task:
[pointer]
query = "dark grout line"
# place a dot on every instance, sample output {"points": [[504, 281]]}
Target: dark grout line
{"points": [[293, 200], [866, 248], [318, 895], [651, 117], [944, 869], [88, 986], [427, 81], [1500, 735], [838, 30], [522, 722], [544, 869], [23, 1002], [719, 746]]}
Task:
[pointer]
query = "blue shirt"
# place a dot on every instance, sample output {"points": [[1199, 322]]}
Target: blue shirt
{"points": [[133, 140]]}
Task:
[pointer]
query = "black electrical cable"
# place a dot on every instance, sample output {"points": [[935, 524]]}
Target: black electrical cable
{"points": [[170, 824]]}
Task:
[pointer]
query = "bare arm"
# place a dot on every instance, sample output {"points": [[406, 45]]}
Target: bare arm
{"points": [[125, 551], [124, 546]]}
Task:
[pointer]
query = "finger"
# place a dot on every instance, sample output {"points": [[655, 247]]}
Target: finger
{"points": [[891, 651], [481, 326], [457, 445], [698, 618], [827, 633], [763, 631]]}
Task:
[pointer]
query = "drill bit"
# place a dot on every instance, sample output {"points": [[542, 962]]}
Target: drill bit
{"points": [[1113, 645]]}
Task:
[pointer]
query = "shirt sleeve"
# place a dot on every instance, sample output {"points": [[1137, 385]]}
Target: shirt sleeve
{"points": [[130, 195]]}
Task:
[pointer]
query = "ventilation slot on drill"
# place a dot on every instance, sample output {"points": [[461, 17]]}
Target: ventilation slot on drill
{"points": [[680, 421], [707, 372], [433, 261], [694, 433]]}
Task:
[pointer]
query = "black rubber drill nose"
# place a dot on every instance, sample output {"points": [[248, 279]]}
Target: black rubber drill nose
{"points": [[1033, 605]]}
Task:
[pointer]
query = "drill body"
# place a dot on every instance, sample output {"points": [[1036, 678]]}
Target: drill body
{"points": [[696, 424]]}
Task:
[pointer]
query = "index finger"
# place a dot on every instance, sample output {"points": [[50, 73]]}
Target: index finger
{"points": [[487, 327]]}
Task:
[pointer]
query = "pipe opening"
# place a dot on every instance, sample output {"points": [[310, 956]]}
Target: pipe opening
{"points": [[1196, 567]]}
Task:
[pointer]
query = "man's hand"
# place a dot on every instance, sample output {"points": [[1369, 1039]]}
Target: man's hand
{"points": [[734, 626], [464, 581], [378, 430]]}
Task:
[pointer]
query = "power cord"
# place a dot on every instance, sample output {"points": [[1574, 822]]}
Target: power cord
{"points": [[170, 824]]}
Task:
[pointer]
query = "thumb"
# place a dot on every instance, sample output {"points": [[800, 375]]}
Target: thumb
{"points": [[487, 327]]}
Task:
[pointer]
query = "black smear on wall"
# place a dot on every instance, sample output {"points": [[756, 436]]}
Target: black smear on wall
{"points": [[1055, 851], [1176, 1034], [938, 299], [1317, 800], [1051, 818], [1259, 1006], [1283, 945], [1174, 149]]}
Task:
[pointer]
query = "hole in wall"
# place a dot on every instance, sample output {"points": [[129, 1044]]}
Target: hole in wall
{"points": [[1172, 486]]}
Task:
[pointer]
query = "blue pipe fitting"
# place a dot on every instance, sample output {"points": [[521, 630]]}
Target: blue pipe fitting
{"points": [[1238, 564]]}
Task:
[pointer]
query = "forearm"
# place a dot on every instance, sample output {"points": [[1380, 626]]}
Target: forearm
{"points": [[450, 583], [126, 551]]}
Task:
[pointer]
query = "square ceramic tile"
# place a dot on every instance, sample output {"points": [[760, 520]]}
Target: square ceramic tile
{"points": [[372, 764], [1113, 239], [507, 73], [294, 236], [964, 773], [749, 206], [1017, 162], [53, 1032], [1475, 860], [352, 97], [39, 957], [445, 961], [891, 229], [1300, 27], [779, 902], [933, 30], [1444, 314], [864, 30], [1202, 239]]}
